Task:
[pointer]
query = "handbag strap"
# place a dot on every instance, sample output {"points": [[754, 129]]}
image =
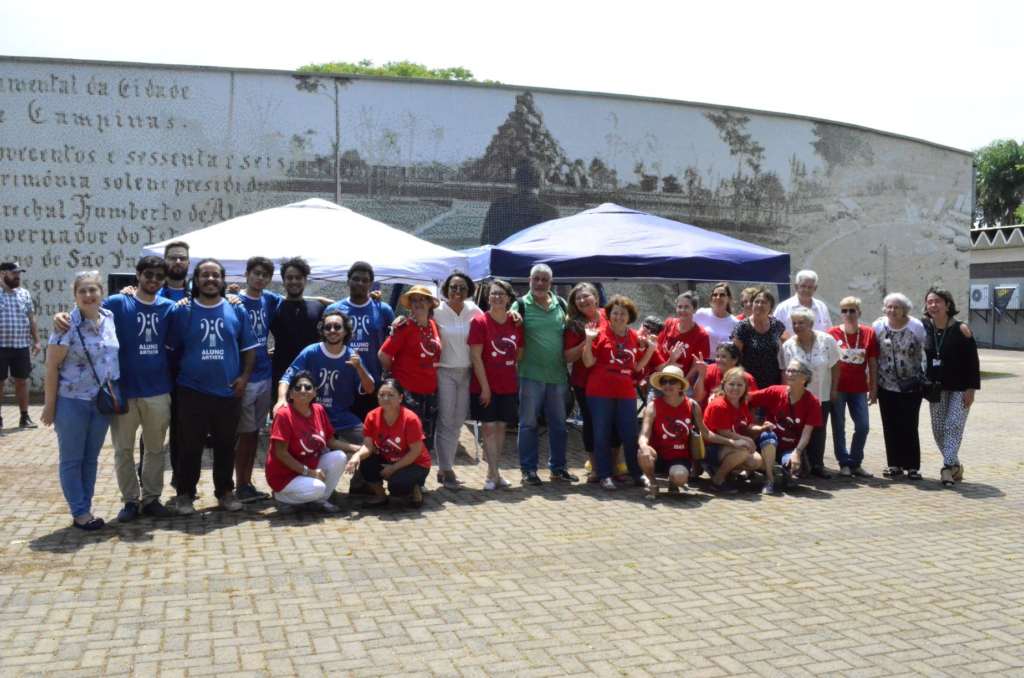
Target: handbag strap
{"points": [[87, 356]]}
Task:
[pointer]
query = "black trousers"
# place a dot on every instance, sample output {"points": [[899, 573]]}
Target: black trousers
{"points": [[901, 413], [819, 436], [201, 414], [401, 483]]}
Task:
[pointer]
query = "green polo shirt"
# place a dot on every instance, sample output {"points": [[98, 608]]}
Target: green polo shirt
{"points": [[544, 357]]}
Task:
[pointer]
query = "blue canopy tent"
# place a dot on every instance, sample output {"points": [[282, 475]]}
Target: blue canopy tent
{"points": [[611, 242]]}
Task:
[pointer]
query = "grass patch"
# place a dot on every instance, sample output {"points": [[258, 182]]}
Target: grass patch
{"points": [[996, 375]]}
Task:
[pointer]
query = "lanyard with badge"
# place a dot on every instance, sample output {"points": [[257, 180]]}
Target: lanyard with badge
{"points": [[937, 360]]}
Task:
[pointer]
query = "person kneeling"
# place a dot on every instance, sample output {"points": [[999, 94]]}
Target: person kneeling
{"points": [[392, 449], [305, 462]]}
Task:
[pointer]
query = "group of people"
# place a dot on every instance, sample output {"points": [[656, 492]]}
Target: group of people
{"points": [[353, 388]]}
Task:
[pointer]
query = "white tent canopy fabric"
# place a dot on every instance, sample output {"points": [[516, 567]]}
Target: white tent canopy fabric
{"points": [[330, 237]]}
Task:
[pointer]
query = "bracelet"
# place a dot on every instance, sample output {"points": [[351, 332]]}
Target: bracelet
{"points": [[305, 470]]}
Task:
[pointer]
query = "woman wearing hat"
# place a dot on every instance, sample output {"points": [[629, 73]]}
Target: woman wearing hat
{"points": [[665, 435], [412, 354]]}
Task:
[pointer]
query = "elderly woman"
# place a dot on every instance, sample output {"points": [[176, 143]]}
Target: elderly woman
{"points": [[77, 362], [413, 355], [747, 302], [453, 317], [727, 356], [683, 342], [392, 450], [858, 387], [794, 413], [758, 338], [305, 461], [496, 345], [614, 353], [900, 345], [664, 443], [951, 361], [822, 352], [718, 320]]}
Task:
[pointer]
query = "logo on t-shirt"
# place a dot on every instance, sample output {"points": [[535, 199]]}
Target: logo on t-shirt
{"points": [[147, 324], [507, 345], [361, 326], [211, 329], [431, 348], [675, 428], [312, 441], [258, 319], [389, 447]]}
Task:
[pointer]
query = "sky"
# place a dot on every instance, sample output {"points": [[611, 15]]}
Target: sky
{"points": [[945, 72]]}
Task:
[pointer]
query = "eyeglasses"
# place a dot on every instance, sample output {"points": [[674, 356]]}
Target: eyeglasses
{"points": [[497, 295], [177, 260], [851, 311], [154, 275], [458, 288], [303, 387], [719, 295], [794, 371], [333, 327]]}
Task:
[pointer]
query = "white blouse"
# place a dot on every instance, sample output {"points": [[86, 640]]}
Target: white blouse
{"points": [[454, 330], [824, 354]]}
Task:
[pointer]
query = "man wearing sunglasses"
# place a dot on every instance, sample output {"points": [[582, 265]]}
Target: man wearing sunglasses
{"points": [[339, 373], [141, 321]]}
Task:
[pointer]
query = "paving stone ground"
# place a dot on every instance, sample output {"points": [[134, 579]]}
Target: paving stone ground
{"points": [[843, 577]]}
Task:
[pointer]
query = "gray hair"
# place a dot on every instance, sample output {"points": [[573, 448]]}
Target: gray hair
{"points": [[805, 313], [541, 268], [805, 368], [900, 299], [806, 275], [84, 277], [692, 296]]}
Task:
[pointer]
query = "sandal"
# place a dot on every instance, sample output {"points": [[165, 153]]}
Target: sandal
{"points": [[451, 483], [593, 478], [946, 475], [958, 474], [892, 472], [621, 478], [914, 474], [652, 493]]}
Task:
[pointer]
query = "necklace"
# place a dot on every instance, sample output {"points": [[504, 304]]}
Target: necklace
{"points": [[857, 346]]}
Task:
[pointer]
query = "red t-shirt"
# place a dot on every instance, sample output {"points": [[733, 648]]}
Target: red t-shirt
{"points": [[580, 372], [741, 316], [720, 415], [670, 434], [789, 420], [612, 374], [714, 378], [500, 344], [306, 438], [416, 352], [696, 342], [393, 442], [854, 351]]}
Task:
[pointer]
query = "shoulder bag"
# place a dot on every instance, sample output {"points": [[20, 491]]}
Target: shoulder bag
{"points": [[696, 441], [109, 399]]}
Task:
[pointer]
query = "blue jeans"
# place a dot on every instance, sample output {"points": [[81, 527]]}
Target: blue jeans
{"points": [[533, 397], [80, 432], [858, 404], [619, 413]]}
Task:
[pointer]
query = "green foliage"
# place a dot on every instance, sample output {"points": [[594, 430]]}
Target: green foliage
{"points": [[394, 69], [1000, 167]]}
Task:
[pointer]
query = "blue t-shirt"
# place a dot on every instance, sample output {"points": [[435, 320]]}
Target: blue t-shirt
{"points": [[172, 294], [213, 338], [336, 382], [372, 325], [261, 313], [141, 332]]}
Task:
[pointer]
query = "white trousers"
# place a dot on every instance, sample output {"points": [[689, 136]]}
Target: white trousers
{"points": [[304, 489], [452, 411]]}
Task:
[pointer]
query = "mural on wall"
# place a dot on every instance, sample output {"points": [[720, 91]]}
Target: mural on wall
{"points": [[98, 160]]}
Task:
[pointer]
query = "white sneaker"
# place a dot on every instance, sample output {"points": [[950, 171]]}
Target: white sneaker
{"points": [[862, 472], [489, 486], [845, 472], [608, 484], [502, 482], [184, 505], [228, 502]]}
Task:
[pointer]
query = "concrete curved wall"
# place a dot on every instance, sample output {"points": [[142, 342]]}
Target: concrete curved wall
{"points": [[99, 159]]}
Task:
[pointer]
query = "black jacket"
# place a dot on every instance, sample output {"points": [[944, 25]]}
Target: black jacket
{"points": [[960, 369]]}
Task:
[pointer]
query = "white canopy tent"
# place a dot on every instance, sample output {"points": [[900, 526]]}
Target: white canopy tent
{"points": [[330, 237]]}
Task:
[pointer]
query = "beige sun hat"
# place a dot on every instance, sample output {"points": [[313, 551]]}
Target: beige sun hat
{"points": [[422, 290], [670, 372]]}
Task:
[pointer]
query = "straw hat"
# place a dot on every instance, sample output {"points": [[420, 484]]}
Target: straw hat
{"points": [[421, 290], [670, 372]]}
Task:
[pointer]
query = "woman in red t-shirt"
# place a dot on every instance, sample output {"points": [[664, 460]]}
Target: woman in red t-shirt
{"points": [[683, 342], [614, 353], [412, 355], [496, 345], [729, 417], [392, 450], [858, 387], [665, 435], [727, 356], [305, 461], [795, 412]]}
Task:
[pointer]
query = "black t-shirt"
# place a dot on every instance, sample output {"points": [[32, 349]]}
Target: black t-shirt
{"points": [[294, 328]]}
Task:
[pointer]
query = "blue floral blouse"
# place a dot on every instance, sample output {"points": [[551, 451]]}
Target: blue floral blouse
{"points": [[76, 378]]}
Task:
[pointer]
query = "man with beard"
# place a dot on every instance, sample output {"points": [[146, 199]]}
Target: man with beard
{"points": [[216, 365], [296, 324], [18, 332], [340, 374], [176, 256]]}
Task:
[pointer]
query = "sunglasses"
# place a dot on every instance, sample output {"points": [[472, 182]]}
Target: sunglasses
{"points": [[304, 387], [154, 275], [333, 327], [719, 295], [851, 311], [458, 288]]}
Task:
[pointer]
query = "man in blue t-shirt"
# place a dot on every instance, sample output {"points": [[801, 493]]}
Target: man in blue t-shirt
{"points": [[261, 307], [340, 375], [216, 365], [371, 319]]}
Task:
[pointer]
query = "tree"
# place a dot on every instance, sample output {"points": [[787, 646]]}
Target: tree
{"points": [[1000, 168], [395, 69], [841, 146]]}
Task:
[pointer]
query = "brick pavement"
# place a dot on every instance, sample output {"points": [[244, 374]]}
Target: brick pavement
{"points": [[842, 577]]}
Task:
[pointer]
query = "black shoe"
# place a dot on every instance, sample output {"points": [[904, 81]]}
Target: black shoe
{"points": [[820, 472], [26, 421], [563, 474], [531, 478], [155, 509]]}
